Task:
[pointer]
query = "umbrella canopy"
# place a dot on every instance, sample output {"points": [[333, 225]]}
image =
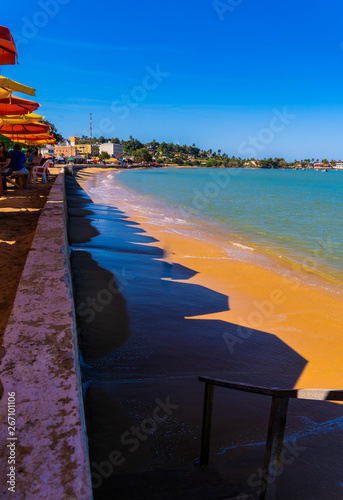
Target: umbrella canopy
{"points": [[18, 119], [4, 139], [5, 93], [36, 140], [7, 84], [29, 137], [8, 50], [41, 142], [17, 106], [24, 128]]}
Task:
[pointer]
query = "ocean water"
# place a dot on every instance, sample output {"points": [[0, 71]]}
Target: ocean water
{"points": [[293, 215], [142, 342]]}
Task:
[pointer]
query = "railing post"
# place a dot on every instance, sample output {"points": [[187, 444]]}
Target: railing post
{"points": [[206, 424], [276, 430]]}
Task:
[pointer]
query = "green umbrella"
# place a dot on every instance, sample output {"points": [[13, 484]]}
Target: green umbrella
{"points": [[4, 139]]}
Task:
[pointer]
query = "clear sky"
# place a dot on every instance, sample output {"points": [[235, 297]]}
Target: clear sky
{"points": [[252, 78]]}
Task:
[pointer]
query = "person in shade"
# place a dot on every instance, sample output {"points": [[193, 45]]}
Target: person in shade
{"points": [[5, 169], [29, 161], [36, 158], [29, 158], [18, 160]]}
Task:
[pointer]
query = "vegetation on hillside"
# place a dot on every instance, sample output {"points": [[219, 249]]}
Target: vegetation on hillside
{"points": [[175, 154]]}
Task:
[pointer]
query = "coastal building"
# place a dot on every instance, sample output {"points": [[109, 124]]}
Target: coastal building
{"points": [[87, 150], [74, 140], [250, 164], [113, 149], [339, 165], [64, 148], [48, 150], [74, 148]]}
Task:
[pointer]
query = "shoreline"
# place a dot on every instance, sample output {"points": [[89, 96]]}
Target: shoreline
{"points": [[304, 317], [311, 267]]}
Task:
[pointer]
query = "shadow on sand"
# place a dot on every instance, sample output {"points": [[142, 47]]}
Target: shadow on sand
{"points": [[141, 358]]}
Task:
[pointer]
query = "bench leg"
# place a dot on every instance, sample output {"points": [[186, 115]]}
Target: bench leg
{"points": [[206, 424], [272, 457]]}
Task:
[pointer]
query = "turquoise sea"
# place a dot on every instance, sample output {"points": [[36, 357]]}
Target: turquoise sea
{"points": [[293, 215]]}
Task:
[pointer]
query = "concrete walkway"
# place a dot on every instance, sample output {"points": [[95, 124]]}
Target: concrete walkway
{"points": [[43, 447]]}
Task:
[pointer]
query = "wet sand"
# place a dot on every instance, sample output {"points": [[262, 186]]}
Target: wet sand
{"points": [[184, 310]]}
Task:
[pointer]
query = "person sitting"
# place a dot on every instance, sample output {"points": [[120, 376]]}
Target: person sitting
{"points": [[29, 161], [18, 160], [5, 160], [36, 158]]}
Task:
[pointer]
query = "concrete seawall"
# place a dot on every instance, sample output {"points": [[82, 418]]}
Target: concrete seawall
{"points": [[40, 385]]}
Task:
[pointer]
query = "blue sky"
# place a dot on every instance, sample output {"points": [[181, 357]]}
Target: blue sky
{"points": [[250, 78]]}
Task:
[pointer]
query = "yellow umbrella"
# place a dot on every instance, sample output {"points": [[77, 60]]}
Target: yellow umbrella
{"points": [[32, 139], [4, 93], [6, 84], [18, 119], [37, 142]]}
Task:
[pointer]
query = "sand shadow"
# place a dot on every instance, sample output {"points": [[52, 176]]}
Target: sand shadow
{"points": [[139, 349]]}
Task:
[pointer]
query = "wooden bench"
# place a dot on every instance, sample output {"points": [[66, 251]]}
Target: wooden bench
{"points": [[18, 180]]}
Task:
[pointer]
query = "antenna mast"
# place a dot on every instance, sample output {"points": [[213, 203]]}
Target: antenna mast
{"points": [[91, 130]]}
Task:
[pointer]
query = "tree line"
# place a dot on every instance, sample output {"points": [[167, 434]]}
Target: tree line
{"points": [[170, 153]]}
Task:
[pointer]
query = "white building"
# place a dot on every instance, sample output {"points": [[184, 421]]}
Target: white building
{"points": [[114, 150], [339, 165], [47, 150]]}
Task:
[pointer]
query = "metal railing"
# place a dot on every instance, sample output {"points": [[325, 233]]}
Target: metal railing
{"points": [[276, 427]]}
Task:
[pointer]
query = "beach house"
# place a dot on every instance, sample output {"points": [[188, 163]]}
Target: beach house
{"points": [[113, 149]]}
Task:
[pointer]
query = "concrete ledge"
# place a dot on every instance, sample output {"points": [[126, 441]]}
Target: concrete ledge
{"points": [[39, 363]]}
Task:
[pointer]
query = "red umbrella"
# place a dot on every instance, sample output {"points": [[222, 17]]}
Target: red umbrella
{"points": [[17, 106], [29, 137], [36, 140], [24, 129], [8, 50]]}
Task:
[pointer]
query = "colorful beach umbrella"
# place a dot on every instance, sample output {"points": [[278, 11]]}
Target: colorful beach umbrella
{"points": [[14, 119], [4, 139], [42, 142], [17, 106], [8, 50], [31, 138], [5, 93], [10, 85], [24, 128]]}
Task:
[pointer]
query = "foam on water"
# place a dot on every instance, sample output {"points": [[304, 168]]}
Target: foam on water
{"points": [[260, 213], [291, 215], [310, 428]]}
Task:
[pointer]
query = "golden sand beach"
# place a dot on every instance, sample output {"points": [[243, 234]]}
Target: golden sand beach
{"points": [[287, 305]]}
